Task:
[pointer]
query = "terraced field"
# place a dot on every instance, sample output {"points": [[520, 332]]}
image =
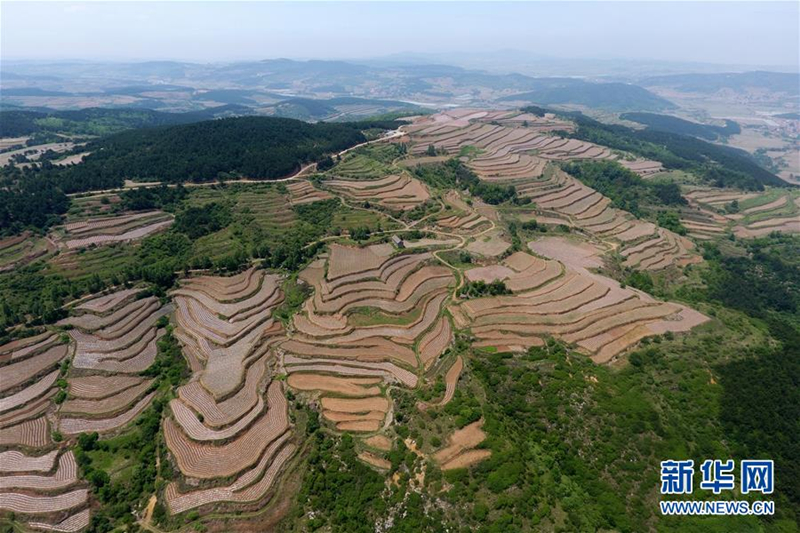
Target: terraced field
{"points": [[22, 249], [714, 213], [460, 217], [711, 213], [642, 244], [398, 192], [519, 156], [80, 265], [229, 425], [113, 229], [506, 153], [359, 165], [91, 205], [304, 192], [38, 480], [375, 321], [546, 123], [560, 297], [115, 339]]}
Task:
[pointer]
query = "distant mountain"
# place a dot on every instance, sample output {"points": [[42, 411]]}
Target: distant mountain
{"points": [[782, 82], [684, 127], [256, 83], [31, 91], [607, 96]]}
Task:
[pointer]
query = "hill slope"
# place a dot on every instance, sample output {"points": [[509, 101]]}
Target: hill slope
{"points": [[683, 127], [256, 147], [609, 96]]}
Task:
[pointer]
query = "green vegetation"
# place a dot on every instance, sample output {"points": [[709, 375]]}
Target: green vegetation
{"points": [[368, 162], [476, 289], [453, 174], [624, 188], [146, 198], [671, 220], [252, 147], [761, 404], [344, 493], [98, 121], [608, 96], [683, 127], [720, 166], [196, 222], [31, 203]]}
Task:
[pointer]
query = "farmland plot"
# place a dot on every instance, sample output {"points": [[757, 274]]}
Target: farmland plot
{"points": [[714, 213], [115, 339], [303, 192], [106, 230], [398, 192], [504, 152], [375, 320], [37, 482], [518, 156], [229, 425], [460, 216], [22, 249], [461, 450], [643, 245], [562, 298]]}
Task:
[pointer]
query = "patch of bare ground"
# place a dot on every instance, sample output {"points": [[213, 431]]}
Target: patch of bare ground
{"points": [[379, 442], [460, 451], [374, 460]]}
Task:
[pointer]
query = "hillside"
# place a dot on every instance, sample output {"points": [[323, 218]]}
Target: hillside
{"points": [[252, 147], [680, 126], [608, 96], [720, 165]]}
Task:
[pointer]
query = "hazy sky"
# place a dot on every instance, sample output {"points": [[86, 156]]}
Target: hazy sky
{"points": [[755, 33]]}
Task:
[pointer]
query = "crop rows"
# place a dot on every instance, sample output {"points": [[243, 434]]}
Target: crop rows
{"points": [[120, 228], [398, 192], [712, 213], [230, 421], [371, 314], [568, 302], [22, 249], [115, 339], [303, 192], [461, 216]]}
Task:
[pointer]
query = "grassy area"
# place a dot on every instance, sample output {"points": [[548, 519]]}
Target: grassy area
{"points": [[368, 162], [470, 152], [102, 261], [370, 316]]}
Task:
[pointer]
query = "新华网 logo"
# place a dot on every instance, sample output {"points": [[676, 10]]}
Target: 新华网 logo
{"points": [[716, 476]]}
